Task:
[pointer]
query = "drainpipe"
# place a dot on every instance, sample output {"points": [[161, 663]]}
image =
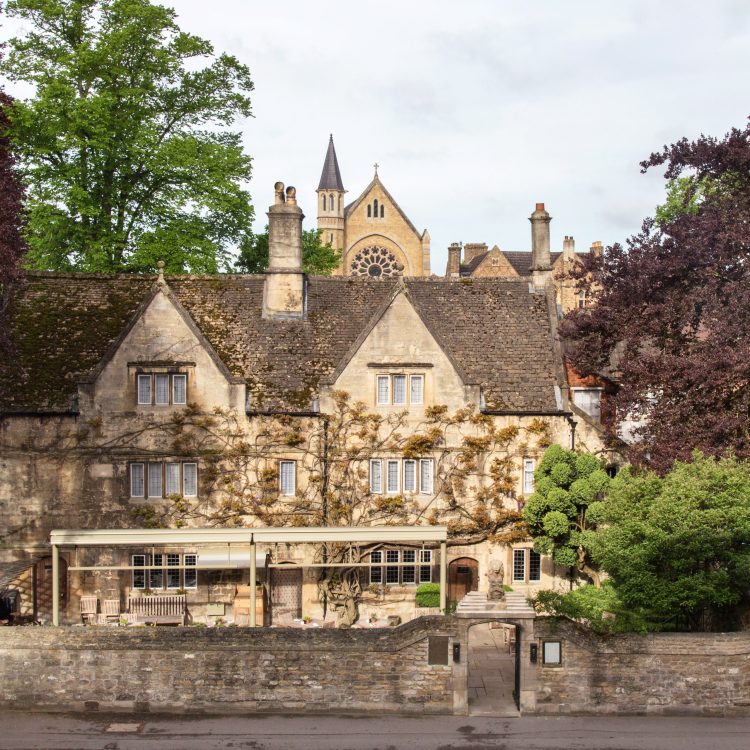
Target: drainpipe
{"points": [[253, 576]]}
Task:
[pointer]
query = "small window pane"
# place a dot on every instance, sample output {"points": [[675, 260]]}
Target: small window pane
{"points": [[417, 389], [528, 476], [376, 477], [190, 480], [393, 470], [410, 476], [191, 574], [391, 571], [144, 389], [173, 573], [399, 389], [409, 575], [383, 387], [136, 480], [425, 475], [286, 477], [519, 564], [154, 480], [376, 573], [162, 390], [425, 571], [173, 479], [552, 652], [156, 574], [139, 576], [535, 566], [179, 389]]}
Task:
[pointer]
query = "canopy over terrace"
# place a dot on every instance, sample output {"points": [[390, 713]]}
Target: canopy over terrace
{"points": [[243, 537]]}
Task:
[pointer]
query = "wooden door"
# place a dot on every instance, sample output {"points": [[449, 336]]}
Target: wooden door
{"points": [[463, 576]]}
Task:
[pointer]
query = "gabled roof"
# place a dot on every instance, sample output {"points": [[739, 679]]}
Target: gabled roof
{"points": [[61, 326], [376, 182], [330, 178]]}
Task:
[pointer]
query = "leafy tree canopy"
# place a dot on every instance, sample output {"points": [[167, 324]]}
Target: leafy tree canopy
{"points": [[565, 508], [679, 546], [317, 258], [671, 309], [124, 143]]}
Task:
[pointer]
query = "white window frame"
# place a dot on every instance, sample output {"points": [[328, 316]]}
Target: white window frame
{"points": [[386, 379], [190, 563], [155, 468], [175, 378], [410, 487], [163, 378], [425, 566], [388, 487], [145, 379], [406, 389], [519, 554], [392, 556], [143, 479], [376, 488], [170, 570], [412, 380], [291, 490], [529, 467], [426, 488], [194, 469], [409, 570], [172, 486], [376, 567], [524, 554]]}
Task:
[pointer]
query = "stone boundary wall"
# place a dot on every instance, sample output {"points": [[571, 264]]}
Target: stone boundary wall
{"points": [[226, 670], [662, 673]]}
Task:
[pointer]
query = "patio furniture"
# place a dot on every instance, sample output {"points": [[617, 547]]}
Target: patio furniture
{"points": [[158, 610], [89, 608], [111, 610]]}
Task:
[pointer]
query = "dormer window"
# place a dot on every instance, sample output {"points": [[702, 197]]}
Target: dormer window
{"points": [[162, 389]]}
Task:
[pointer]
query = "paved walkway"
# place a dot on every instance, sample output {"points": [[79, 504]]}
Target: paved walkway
{"points": [[491, 672]]}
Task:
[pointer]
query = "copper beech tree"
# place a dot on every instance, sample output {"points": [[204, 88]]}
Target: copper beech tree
{"points": [[472, 491], [671, 309]]}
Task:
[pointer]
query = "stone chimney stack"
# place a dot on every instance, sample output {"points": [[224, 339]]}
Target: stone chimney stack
{"points": [[453, 271], [541, 266], [597, 248], [284, 288], [569, 248], [472, 249]]}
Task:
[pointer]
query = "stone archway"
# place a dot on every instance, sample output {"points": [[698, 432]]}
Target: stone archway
{"points": [[494, 669], [463, 577]]}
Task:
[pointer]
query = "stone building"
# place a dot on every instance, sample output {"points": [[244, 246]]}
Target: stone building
{"points": [[373, 233], [476, 260], [133, 401]]}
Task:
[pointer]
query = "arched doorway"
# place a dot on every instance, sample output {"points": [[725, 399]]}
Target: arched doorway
{"points": [[43, 588], [463, 576], [494, 669], [286, 595]]}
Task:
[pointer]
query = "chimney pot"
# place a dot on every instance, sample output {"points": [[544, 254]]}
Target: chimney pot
{"points": [[540, 206]]}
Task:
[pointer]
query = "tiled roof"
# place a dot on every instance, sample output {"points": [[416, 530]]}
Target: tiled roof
{"points": [[521, 261], [496, 332], [330, 178]]}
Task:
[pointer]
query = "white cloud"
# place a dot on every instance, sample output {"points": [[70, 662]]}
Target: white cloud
{"points": [[476, 111]]}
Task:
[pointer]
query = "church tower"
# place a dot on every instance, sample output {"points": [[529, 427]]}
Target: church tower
{"points": [[331, 201]]}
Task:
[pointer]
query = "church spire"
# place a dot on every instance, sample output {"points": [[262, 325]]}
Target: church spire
{"points": [[330, 178]]}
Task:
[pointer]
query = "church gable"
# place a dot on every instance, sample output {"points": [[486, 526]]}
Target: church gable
{"points": [[491, 264]]}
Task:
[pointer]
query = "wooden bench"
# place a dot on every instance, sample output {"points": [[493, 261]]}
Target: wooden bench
{"points": [[158, 610]]}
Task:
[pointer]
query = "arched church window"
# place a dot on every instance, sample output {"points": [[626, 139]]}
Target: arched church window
{"points": [[375, 208], [382, 210], [330, 202], [339, 201], [369, 211], [324, 201]]}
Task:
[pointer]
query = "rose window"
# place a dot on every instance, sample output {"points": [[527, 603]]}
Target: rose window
{"points": [[375, 262]]}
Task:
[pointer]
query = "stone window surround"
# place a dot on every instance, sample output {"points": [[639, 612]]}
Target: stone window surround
{"points": [[411, 379], [424, 476], [525, 565], [392, 563], [289, 491], [144, 479], [164, 566], [151, 369]]}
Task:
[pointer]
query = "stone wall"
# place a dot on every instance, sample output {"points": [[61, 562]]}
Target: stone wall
{"points": [[665, 673], [225, 670]]}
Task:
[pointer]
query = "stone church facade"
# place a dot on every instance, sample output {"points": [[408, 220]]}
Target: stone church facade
{"points": [[132, 401], [375, 236]]}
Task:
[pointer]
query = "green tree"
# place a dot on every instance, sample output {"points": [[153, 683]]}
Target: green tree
{"points": [[566, 507], [124, 144], [679, 547], [317, 258]]}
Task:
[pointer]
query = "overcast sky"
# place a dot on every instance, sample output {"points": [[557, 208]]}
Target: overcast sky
{"points": [[477, 110]]}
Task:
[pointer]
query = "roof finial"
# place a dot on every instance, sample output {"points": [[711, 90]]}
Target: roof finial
{"points": [[160, 265], [376, 165]]}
